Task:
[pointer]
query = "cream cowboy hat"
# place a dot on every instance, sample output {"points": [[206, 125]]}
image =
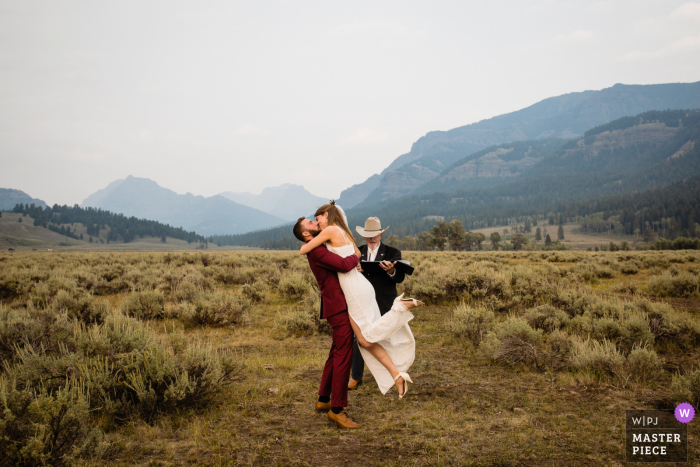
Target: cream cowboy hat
{"points": [[372, 228]]}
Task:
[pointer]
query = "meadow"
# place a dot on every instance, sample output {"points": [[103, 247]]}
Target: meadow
{"points": [[201, 358]]}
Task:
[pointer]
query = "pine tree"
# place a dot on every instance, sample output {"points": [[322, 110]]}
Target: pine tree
{"points": [[439, 234], [456, 235], [495, 239], [528, 226], [547, 240], [560, 233], [538, 234]]}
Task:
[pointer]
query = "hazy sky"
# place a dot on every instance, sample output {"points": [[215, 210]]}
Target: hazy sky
{"points": [[237, 96]]}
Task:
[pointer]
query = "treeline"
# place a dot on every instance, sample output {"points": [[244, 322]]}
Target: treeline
{"points": [[279, 238], [120, 227], [670, 118], [672, 211]]}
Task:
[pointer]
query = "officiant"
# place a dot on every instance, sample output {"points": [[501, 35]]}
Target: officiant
{"points": [[383, 280]]}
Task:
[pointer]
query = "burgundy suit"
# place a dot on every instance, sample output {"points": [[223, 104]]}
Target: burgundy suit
{"points": [[325, 267]]}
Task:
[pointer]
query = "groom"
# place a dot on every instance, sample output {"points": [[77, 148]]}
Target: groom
{"points": [[333, 392]]}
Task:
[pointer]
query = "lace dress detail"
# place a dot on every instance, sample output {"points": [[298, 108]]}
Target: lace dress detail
{"points": [[391, 331]]}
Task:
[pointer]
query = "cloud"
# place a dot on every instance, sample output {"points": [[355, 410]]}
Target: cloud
{"points": [[687, 11], [251, 130], [366, 136], [579, 35], [685, 44]]}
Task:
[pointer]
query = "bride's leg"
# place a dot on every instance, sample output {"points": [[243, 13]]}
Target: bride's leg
{"points": [[379, 353]]}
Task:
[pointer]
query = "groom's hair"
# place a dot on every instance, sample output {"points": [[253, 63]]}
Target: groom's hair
{"points": [[299, 229]]}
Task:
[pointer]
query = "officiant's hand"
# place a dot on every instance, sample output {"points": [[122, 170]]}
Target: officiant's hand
{"points": [[387, 266], [359, 267]]}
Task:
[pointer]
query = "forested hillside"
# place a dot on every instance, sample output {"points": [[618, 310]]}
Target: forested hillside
{"points": [[632, 155], [566, 116], [9, 198], [121, 228]]}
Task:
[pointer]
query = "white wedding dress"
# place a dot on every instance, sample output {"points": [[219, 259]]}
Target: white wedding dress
{"points": [[391, 331]]}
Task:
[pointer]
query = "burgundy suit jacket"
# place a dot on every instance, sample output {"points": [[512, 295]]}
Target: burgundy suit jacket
{"points": [[326, 266]]}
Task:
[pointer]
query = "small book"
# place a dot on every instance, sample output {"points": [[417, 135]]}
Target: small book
{"points": [[373, 266]]}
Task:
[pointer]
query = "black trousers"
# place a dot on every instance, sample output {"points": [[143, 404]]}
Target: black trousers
{"points": [[358, 363]]}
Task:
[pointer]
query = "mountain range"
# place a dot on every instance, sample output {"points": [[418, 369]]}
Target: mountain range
{"points": [[288, 202], [9, 198], [574, 146], [145, 199], [562, 117]]}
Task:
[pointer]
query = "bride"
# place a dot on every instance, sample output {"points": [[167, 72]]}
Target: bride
{"points": [[386, 342]]}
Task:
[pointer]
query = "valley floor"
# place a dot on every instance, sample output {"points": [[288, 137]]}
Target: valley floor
{"points": [[462, 409]]}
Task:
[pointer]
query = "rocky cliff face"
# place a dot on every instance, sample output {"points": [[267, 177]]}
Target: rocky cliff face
{"points": [[566, 116], [491, 165]]}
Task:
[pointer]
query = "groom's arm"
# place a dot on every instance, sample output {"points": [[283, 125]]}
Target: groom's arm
{"points": [[328, 260]]}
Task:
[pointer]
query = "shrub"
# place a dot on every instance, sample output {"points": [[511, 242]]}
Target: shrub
{"points": [[297, 323], [597, 356], [667, 324], [512, 341], [472, 323], [257, 291], [214, 309], [38, 427], [629, 268], [687, 388], [144, 305], [156, 379], [430, 292], [293, 286], [668, 285], [644, 364], [635, 331], [40, 329], [546, 317]]}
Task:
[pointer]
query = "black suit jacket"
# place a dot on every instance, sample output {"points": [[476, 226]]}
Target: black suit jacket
{"points": [[384, 286]]}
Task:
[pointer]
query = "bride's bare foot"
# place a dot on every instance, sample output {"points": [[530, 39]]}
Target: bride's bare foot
{"points": [[399, 385]]}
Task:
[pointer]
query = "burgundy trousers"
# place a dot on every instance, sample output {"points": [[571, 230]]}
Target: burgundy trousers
{"points": [[336, 372]]}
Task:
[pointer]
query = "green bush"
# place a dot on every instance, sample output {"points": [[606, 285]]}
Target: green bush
{"points": [[546, 317], [602, 356], [668, 285], [297, 323], [214, 309], [293, 286], [629, 268], [40, 329], [687, 388], [644, 364], [38, 427], [667, 324], [257, 292], [472, 323], [144, 305], [512, 341]]}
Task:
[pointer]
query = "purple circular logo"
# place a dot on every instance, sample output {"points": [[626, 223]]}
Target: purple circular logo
{"points": [[684, 412]]}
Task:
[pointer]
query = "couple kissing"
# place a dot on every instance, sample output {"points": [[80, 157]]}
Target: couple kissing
{"points": [[349, 305]]}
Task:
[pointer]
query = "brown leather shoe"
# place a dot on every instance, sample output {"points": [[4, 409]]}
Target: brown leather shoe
{"points": [[342, 420], [323, 406], [354, 384]]}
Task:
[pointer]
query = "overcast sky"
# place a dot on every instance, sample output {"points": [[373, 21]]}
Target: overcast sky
{"points": [[205, 97]]}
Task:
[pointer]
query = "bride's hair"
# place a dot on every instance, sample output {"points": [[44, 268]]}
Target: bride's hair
{"points": [[335, 218]]}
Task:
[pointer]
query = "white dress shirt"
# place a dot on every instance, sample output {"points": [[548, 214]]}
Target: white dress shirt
{"points": [[372, 255]]}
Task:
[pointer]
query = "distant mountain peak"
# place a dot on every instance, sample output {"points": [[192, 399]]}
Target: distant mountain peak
{"points": [[565, 116], [287, 201], [145, 199]]}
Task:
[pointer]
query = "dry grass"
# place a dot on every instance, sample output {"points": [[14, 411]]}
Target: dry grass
{"points": [[463, 409]]}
